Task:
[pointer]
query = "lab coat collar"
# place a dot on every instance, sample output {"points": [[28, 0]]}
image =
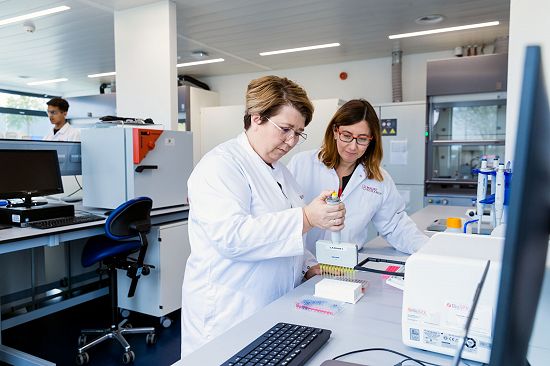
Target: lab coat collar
{"points": [[63, 130], [357, 177], [243, 141]]}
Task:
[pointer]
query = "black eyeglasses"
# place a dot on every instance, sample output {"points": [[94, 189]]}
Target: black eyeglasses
{"points": [[289, 135], [348, 137]]}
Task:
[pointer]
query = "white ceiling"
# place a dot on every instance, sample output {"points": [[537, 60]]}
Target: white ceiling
{"points": [[80, 41]]}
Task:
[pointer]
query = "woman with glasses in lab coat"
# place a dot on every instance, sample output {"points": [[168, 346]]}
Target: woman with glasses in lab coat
{"points": [[247, 217], [349, 162]]}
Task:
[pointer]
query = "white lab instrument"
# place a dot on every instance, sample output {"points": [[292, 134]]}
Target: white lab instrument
{"points": [[499, 194], [119, 164], [440, 283], [492, 179], [481, 192], [337, 259]]}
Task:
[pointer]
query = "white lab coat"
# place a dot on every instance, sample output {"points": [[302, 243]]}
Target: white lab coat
{"points": [[246, 240], [66, 133], [365, 199]]}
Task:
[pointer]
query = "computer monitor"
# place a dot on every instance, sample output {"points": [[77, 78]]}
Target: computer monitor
{"points": [[528, 224], [29, 173]]}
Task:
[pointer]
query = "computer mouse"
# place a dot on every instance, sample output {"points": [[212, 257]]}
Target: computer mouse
{"points": [[71, 199]]}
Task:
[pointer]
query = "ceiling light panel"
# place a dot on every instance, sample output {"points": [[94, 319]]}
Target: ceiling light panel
{"points": [[443, 30], [211, 61], [33, 15], [112, 73], [299, 49], [48, 81]]}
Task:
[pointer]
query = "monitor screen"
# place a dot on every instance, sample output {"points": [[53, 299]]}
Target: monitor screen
{"points": [[528, 226], [27, 173]]}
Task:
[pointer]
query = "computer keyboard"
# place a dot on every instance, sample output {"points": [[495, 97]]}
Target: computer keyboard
{"points": [[284, 344], [64, 221]]}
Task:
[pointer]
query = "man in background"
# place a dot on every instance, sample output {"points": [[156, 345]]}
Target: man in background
{"points": [[62, 130]]}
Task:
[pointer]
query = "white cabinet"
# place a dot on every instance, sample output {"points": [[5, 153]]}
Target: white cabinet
{"points": [[404, 149], [159, 293]]}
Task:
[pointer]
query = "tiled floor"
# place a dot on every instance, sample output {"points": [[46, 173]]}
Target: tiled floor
{"points": [[55, 337]]}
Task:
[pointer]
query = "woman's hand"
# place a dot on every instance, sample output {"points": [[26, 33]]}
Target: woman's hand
{"points": [[313, 271], [322, 215]]}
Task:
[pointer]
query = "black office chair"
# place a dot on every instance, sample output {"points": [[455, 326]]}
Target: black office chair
{"points": [[129, 220]]}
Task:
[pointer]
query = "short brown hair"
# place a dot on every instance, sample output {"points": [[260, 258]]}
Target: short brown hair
{"points": [[352, 112], [267, 95], [60, 103]]}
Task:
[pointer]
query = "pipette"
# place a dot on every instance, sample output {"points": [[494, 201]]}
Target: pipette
{"points": [[336, 259]]}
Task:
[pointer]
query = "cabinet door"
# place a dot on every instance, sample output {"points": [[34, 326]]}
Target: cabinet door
{"points": [[159, 293], [174, 250], [404, 151]]}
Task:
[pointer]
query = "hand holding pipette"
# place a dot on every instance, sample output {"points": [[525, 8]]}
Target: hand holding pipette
{"points": [[323, 215]]}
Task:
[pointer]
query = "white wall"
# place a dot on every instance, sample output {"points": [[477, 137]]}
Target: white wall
{"points": [[528, 26], [369, 79]]}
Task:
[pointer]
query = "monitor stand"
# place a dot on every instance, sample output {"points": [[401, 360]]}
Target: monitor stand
{"points": [[28, 203]]}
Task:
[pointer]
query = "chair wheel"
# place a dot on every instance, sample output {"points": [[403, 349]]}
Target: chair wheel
{"points": [[125, 313], [145, 271], [151, 338], [82, 358], [81, 340], [165, 321], [128, 357]]}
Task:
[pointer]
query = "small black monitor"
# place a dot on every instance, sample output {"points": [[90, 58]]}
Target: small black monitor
{"points": [[528, 224], [29, 173]]}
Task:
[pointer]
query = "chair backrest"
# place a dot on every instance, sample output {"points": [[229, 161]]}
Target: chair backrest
{"points": [[120, 222]]}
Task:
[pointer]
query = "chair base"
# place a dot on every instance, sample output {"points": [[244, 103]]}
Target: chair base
{"points": [[115, 332]]}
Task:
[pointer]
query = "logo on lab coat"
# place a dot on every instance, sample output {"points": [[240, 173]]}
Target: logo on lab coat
{"points": [[371, 189]]}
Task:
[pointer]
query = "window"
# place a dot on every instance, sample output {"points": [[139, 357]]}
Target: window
{"points": [[23, 115]]}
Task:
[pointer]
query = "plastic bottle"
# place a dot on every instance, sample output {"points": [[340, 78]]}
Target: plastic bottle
{"points": [[454, 225]]}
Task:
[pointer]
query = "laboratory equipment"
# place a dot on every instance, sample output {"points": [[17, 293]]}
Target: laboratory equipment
{"points": [[321, 306], [440, 284], [120, 163], [335, 236], [498, 199], [482, 180], [302, 343], [335, 258], [466, 120], [454, 225], [349, 292]]}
